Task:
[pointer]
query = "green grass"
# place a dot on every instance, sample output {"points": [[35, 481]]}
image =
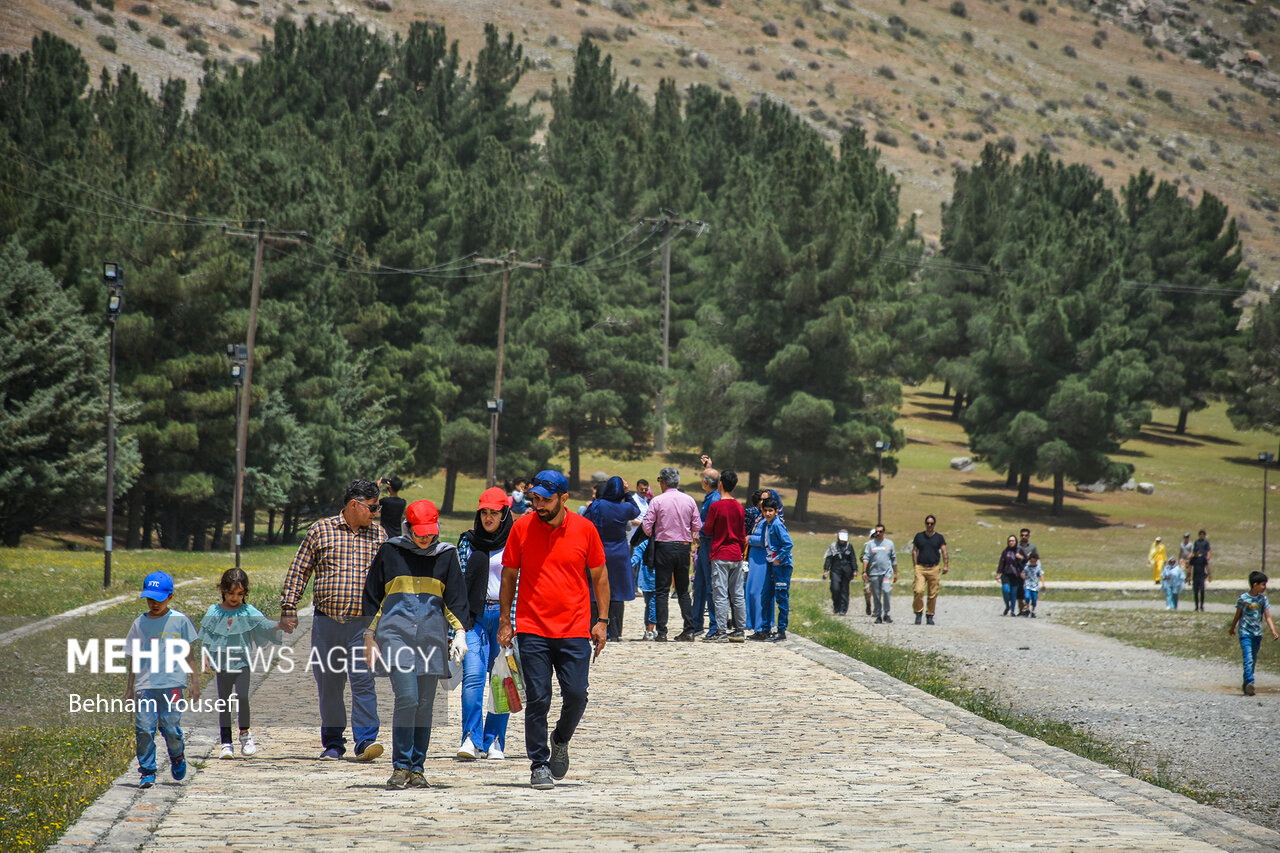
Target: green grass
{"points": [[1201, 636], [935, 674], [52, 765], [1207, 478]]}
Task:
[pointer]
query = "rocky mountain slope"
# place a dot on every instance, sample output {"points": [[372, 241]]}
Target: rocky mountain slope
{"points": [[1181, 87]]}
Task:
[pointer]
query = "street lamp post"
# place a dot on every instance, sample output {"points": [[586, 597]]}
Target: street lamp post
{"points": [[113, 277], [238, 354], [493, 405], [1266, 459], [881, 447]]}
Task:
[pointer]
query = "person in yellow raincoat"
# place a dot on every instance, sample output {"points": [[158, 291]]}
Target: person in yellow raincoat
{"points": [[1156, 557]]}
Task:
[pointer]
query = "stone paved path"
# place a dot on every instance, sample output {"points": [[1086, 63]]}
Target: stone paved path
{"points": [[684, 747]]}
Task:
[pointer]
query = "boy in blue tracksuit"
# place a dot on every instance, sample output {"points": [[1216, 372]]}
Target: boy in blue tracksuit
{"points": [[777, 549]]}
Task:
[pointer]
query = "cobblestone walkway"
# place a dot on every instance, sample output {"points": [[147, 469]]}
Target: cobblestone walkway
{"points": [[684, 747]]}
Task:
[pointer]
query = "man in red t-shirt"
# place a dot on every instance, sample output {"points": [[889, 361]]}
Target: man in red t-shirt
{"points": [[551, 551], [726, 529]]}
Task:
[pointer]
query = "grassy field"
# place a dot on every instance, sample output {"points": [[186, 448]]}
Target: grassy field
{"points": [[51, 769], [52, 766]]}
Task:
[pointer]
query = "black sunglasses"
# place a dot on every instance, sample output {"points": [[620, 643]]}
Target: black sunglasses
{"points": [[554, 488], [373, 508]]}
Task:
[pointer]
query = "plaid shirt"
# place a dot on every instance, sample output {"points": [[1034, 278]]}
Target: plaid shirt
{"points": [[339, 557]]}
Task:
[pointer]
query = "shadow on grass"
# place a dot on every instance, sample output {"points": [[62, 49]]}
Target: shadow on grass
{"points": [[1245, 461], [999, 505], [1163, 434]]}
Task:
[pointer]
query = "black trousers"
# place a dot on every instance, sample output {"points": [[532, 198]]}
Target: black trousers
{"points": [[840, 578], [1197, 587], [238, 683], [616, 611], [671, 564]]}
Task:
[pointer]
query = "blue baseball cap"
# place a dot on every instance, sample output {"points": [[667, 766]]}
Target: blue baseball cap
{"points": [[548, 483], [157, 586]]}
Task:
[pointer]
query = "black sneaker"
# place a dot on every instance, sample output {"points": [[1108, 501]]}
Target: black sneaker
{"points": [[759, 636], [737, 637], [660, 638], [888, 618], [868, 608], [540, 779], [920, 616], [717, 637], [778, 637], [928, 620], [684, 637], [1249, 689], [1033, 614], [559, 764], [879, 620]]}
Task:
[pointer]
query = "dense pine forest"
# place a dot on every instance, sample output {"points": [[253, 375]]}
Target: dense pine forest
{"points": [[383, 172]]}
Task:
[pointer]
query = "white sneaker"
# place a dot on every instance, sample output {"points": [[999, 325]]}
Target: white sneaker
{"points": [[496, 753], [247, 745], [468, 751], [227, 751]]}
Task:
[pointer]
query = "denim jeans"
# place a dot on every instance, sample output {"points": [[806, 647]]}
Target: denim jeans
{"points": [[482, 647], [153, 711], [726, 591], [1010, 592], [650, 609], [1249, 654], [703, 594], [1171, 599], [881, 587], [1033, 595], [411, 720], [340, 650], [781, 577], [570, 658]]}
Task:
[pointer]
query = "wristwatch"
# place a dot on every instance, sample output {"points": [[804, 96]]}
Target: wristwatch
{"points": [[602, 619]]}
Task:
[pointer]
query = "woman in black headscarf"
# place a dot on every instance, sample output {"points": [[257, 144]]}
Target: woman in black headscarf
{"points": [[611, 512], [480, 552]]}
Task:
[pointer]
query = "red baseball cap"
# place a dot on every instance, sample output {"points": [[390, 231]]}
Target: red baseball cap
{"points": [[423, 518], [494, 498]]}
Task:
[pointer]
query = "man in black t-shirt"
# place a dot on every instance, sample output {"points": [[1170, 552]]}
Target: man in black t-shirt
{"points": [[392, 506], [1201, 551], [928, 549]]}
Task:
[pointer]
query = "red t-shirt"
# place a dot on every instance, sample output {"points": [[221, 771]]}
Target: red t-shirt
{"points": [[554, 598], [726, 522]]}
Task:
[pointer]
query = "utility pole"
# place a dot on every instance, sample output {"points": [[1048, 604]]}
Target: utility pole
{"points": [[494, 403], [242, 428], [113, 277], [660, 433]]}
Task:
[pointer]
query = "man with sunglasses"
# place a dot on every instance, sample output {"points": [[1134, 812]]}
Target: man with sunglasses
{"points": [[335, 556], [558, 560]]}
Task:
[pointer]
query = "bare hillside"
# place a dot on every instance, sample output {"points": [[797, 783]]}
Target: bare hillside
{"points": [[1120, 86]]}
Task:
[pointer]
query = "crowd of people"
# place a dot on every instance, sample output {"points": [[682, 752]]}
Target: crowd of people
{"points": [[532, 580], [1171, 570]]}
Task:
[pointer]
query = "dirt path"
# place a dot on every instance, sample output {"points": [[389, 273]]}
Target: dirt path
{"points": [[1186, 715]]}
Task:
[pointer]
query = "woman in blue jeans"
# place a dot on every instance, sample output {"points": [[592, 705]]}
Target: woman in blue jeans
{"points": [[411, 595], [480, 551], [1009, 573]]}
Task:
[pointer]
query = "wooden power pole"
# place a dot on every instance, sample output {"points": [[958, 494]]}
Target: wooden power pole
{"points": [[260, 239], [494, 405], [660, 433]]}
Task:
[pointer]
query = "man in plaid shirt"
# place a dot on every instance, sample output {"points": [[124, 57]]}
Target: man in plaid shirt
{"points": [[335, 556]]}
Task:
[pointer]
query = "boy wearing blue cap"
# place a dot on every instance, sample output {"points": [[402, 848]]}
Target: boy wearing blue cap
{"points": [[157, 675]]}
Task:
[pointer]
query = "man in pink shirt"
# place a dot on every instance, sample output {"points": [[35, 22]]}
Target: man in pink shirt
{"points": [[672, 522], [725, 527]]}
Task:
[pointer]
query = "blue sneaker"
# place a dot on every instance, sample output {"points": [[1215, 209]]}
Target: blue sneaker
{"points": [[178, 767], [148, 779], [331, 754]]}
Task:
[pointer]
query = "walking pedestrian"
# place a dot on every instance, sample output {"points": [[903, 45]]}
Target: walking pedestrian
{"points": [[673, 523], [928, 549], [1172, 580], [840, 564], [1251, 608], [1156, 558], [1201, 573], [880, 563], [1009, 573], [1184, 551], [612, 513], [1026, 548], [484, 735], [335, 556], [558, 560], [413, 594]]}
